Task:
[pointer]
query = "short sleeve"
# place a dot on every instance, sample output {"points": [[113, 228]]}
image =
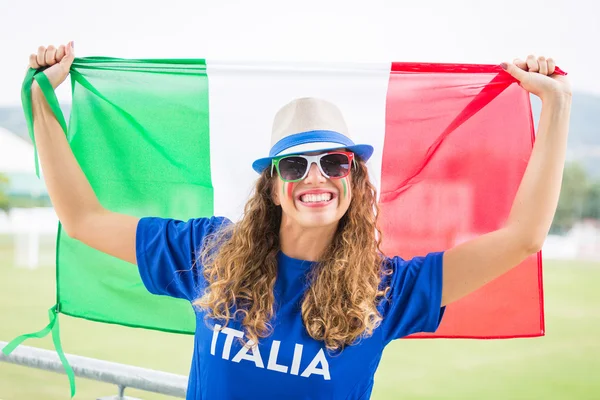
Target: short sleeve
{"points": [[167, 250], [414, 300]]}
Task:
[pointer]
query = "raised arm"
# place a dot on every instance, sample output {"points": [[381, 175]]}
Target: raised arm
{"points": [[81, 214], [471, 265]]}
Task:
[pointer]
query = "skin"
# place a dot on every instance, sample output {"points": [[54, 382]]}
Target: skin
{"points": [[290, 190], [345, 185], [306, 232]]}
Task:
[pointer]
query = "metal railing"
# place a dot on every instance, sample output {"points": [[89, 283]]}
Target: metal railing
{"points": [[124, 376]]}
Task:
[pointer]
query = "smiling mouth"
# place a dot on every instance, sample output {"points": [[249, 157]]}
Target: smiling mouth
{"points": [[316, 198]]}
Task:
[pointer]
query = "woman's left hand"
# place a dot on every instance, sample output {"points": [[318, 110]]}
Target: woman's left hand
{"points": [[536, 75]]}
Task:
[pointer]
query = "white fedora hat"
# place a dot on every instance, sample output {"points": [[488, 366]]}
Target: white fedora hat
{"points": [[306, 125]]}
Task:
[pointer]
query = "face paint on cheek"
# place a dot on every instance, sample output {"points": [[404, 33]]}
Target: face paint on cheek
{"points": [[290, 190], [345, 187]]}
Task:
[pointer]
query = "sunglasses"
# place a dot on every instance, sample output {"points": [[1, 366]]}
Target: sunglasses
{"points": [[294, 168]]}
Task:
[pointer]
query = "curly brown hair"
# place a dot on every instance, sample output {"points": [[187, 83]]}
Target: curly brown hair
{"points": [[340, 305]]}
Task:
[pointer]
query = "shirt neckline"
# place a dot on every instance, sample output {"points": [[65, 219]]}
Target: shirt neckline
{"points": [[294, 262]]}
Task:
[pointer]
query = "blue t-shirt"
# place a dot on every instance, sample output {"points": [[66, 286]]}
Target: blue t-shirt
{"points": [[289, 364]]}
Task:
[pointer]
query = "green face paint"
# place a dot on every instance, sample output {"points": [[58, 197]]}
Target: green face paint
{"points": [[345, 188]]}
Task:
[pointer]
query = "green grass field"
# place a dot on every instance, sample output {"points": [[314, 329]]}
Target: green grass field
{"points": [[565, 364]]}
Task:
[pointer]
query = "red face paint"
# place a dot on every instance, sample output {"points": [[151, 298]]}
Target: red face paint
{"points": [[290, 190]]}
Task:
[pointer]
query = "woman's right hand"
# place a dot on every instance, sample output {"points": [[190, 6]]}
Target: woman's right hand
{"points": [[55, 62]]}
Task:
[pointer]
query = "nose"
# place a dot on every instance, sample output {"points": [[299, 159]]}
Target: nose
{"points": [[314, 175]]}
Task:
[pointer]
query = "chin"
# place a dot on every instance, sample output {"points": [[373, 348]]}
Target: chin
{"points": [[319, 221]]}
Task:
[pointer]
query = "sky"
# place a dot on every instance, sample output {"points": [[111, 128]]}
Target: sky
{"points": [[457, 31]]}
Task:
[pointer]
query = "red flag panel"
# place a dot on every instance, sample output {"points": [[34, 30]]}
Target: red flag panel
{"points": [[457, 142]]}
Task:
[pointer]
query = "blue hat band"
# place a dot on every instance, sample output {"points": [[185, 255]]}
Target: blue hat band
{"points": [[309, 137]]}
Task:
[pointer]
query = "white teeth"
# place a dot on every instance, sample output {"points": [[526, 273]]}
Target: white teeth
{"points": [[314, 198]]}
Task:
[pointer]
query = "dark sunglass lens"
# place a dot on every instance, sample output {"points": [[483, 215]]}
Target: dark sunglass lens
{"points": [[335, 165], [292, 168]]}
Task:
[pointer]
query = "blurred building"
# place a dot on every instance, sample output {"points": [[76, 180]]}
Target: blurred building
{"points": [[17, 162], [25, 225], [581, 242]]}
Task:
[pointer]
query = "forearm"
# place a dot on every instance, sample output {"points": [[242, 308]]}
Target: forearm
{"points": [[536, 200], [70, 192]]}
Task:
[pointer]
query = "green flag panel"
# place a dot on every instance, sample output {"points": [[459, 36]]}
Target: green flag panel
{"points": [[140, 131]]}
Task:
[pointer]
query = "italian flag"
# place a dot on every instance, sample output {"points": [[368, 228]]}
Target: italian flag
{"points": [[176, 138]]}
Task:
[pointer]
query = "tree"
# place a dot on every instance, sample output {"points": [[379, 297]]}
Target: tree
{"points": [[3, 196], [591, 207], [572, 198]]}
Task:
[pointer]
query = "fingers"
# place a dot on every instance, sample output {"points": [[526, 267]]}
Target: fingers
{"points": [[543, 65], [41, 56], [48, 56], [540, 64], [532, 64], [67, 60], [520, 63], [33, 61], [517, 72], [551, 66], [60, 53]]}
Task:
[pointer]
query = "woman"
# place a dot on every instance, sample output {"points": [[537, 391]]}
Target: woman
{"points": [[301, 274]]}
